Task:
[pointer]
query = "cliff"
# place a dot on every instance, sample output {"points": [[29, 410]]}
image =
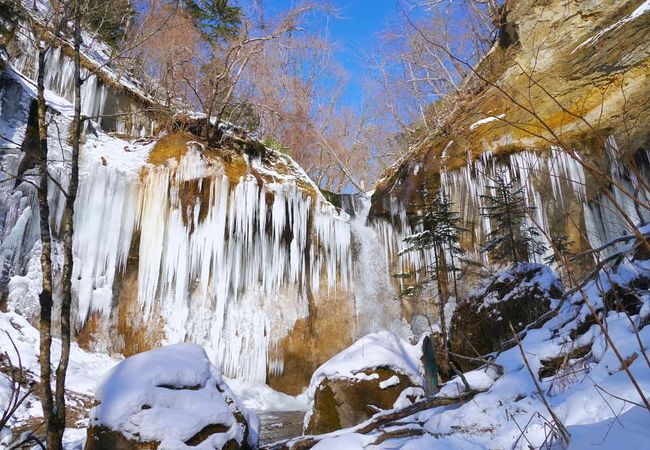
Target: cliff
{"points": [[563, 108], [231, 246]]}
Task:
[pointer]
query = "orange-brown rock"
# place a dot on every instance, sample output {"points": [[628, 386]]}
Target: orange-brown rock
{"points": [[101, 438], [590, 67], [303, 351]]}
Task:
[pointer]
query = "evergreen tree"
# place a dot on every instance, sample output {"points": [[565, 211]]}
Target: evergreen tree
{"points": [[506, 209], [440, 233], [110, 20], [562, 248], [217, 19], [7, 21]]}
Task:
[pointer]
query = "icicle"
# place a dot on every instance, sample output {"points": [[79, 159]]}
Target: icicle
{"points": [[199, 264]]}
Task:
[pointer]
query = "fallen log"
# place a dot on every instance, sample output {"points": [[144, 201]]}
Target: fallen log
{"points": [[375, 423]]}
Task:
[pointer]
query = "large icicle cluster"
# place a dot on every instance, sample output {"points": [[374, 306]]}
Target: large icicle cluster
{"points": [[221, 263], [121, 113], [550, 179]]}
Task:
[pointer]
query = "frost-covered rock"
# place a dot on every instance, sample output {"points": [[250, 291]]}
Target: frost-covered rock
{"points": [[169, 398], [518, 296], [379, 371]]}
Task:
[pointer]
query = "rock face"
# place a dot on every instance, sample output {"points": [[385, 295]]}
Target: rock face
{"points": [[590, 62], [379, 371], [175, 235], [518, 296], [169, 398], [344, 402], [230, 245]]}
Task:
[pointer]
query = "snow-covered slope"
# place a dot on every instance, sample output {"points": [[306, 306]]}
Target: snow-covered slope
{"points": [[575, 367]]}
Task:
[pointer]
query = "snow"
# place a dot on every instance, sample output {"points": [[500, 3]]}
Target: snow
{"points": [[486, 120], [196, 274], [480, 380], [409, 396], [638, 12], [261, 398], [74, 438], [168, 395], [345, 441], [85, 369], [381, 349], [629, 431], [592, 396], [543, 279], [392, 381]]}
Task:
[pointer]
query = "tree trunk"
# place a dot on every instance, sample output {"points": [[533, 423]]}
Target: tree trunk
{"points": [[444, 364], [45, 297], [68, 232], [513, 244], [453, 270]]}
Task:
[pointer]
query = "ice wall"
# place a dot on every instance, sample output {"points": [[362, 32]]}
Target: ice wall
{"points": [[111, 109], [226, 263], [375, 296], [557, 185]]}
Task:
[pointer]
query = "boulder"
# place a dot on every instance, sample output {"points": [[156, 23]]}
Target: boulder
{"points": [[169, 398], [380, 371], [481, 323]]}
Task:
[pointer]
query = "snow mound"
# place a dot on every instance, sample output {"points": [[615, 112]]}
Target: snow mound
{"points": [[382, 349], [528, 276], [169, 395], [260, 397]]}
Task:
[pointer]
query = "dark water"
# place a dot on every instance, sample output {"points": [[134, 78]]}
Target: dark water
{"points": [[279, 425]]}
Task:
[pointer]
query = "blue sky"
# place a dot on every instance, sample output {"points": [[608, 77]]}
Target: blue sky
{"points": [[354, 33]]}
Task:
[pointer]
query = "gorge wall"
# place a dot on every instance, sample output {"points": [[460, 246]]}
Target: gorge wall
{"points": [[562, 110], [236, 249], [233, 247]]}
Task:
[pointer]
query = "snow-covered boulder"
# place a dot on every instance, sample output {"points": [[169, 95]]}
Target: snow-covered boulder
{"points": [[169, 398], [519, 296], [379, 371]]}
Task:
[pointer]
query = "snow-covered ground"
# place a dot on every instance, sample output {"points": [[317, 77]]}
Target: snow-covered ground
{"points": [[86, 372], [591, 395]]}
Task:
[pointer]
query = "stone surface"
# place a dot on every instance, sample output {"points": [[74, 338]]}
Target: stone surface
{"points": [[481, 323], [344, 402], [602, 80], [590, 64]]}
